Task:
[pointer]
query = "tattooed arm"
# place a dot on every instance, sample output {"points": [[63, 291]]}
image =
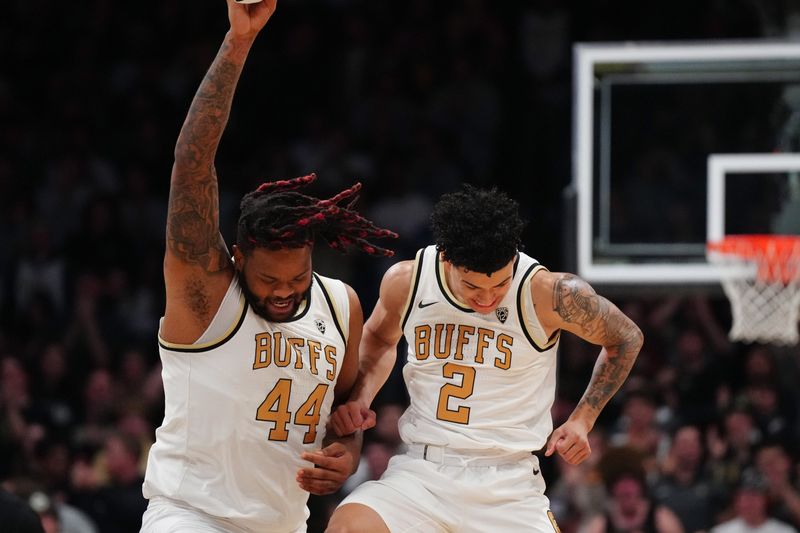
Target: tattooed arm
{"points": [[197, 268], [567, 302]]}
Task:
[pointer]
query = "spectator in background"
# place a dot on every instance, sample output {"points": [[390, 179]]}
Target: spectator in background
{"points": [[631, 509], [51, 463], [41, 271], [759, 365], [750, 513], [696, 380], [53, 392], [139, 389], [100, 408], [48, 515], [84, 333], [773, 418], [638, 428], [51, 507], [16, 436], [774, 463], [16, 516], [115, 501], [730, 447], [683, 485]]}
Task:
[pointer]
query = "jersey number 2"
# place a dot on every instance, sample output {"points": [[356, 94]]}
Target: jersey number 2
{"points": [[461, 414], [275, 408]]}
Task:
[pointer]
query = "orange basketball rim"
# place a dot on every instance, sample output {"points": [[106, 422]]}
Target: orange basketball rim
{"points": [[777, 256]]}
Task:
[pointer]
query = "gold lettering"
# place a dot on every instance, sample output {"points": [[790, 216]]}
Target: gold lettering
{"points": [[483, 343], [504, 343], [313, 355], [442, 350], [459, 415], [263, 351], [295, 343], [422, 341], [268, 351], [282, 357], [461, 340], [330, 357]]}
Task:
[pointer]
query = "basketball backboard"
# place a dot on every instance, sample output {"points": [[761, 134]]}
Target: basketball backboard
{"points": [[678, 144]]}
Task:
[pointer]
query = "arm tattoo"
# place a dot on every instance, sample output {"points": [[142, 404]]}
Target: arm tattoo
{"points": [[192, 226], [193, 213], [609, 374], [575, 305], [600, 322]]}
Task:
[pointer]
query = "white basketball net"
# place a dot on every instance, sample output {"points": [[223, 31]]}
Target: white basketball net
{"points": [[764, 308]]}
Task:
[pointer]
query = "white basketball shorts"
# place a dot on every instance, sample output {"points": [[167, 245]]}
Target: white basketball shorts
{"points": [[432, 490], [164, 515]]}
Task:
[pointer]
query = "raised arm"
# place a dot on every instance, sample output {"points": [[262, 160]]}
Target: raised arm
{"points": [[577, 308], [378, 351], [197, 267]]}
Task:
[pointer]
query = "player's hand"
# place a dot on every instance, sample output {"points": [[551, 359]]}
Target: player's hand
{"points": [[352, 416], [333, 464], [248, 19], [571, 441]]}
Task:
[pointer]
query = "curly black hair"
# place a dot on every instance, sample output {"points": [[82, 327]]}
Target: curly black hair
{"points": [[477, 229]]}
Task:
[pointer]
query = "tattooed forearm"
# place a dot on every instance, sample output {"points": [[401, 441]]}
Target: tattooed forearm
{"points": [[613, 365], [208, 114], [597, 320], [193, 214], [608, 376]]}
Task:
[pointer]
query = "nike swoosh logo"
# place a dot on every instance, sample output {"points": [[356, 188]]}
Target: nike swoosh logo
{"points": [[423, 305], [535, 472]]}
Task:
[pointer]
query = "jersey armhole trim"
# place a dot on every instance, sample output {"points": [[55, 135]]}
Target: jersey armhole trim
{"points": [[416, 273], [337, 319], [195, 348], [533, 269]]}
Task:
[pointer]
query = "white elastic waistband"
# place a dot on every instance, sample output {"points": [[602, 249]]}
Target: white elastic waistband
{"points": [[449, 456]]}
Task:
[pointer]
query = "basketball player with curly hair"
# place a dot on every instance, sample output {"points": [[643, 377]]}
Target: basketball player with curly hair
{"points": [[482, 321], [257, 347]]}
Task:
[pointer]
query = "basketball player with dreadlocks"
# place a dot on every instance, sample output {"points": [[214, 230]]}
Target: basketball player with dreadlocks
{"points": [[483, 322], [256, 347]]}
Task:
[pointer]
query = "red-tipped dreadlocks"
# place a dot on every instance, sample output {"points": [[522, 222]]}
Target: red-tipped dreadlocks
{"points": [[274, 216], [287, 185]]}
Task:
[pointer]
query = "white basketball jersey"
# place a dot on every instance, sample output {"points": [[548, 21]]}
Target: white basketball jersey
{"points": [[240, 410], [476, 381]]}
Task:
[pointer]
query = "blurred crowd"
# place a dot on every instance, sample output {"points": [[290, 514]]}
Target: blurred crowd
{"points": [[412, 99]]}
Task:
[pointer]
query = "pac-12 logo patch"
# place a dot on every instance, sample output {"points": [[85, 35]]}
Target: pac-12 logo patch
{"points": [[320, 325], [502, 314]]}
